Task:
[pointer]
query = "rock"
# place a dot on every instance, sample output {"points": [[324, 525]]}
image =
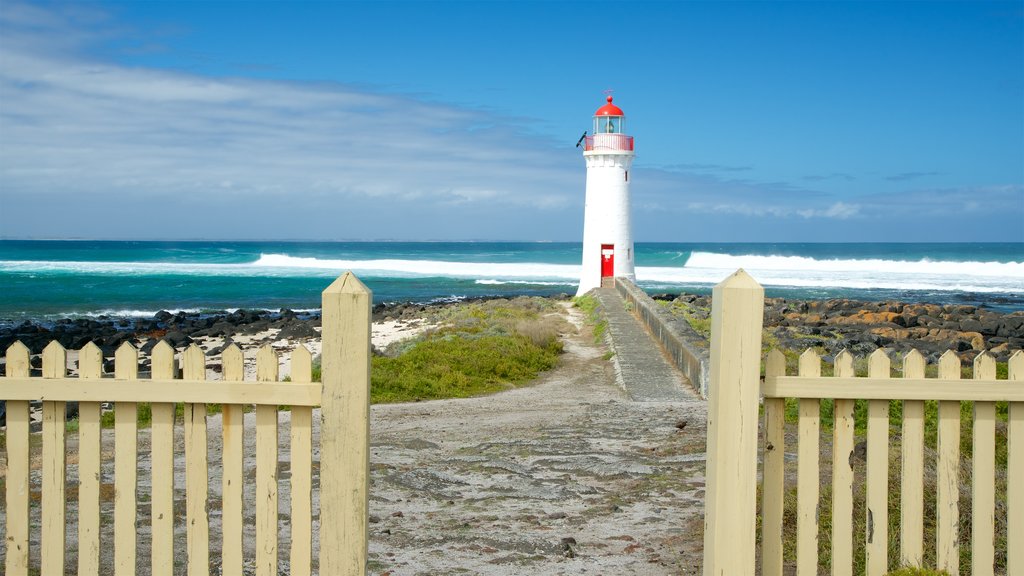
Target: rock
{"points": [[162, 316], [970, 325], [297, 331], [177, 339]]}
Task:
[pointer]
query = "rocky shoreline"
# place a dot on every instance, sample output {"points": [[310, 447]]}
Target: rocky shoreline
{"points": [[863, 327], [833, 325]]}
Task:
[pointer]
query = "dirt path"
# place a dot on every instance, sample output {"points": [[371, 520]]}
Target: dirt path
{"points": [[565, 477]]}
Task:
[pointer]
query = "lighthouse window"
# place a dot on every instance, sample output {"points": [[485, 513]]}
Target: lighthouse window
{"points": [[627, 175]]}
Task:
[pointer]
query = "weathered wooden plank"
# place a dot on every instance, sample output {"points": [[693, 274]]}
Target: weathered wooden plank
{"points": [[232, 479], [947, 510], [345, 431], [983, 476], [908, 389], [877, 524], [197, 527], [164, 390], [774, 472], [90, 367], [842, 474], [1015, 472], [912, 474], [266, 469], [17, 493], [301, 556], [808, 433], [126, 414], [162, 467], [52, 540]]}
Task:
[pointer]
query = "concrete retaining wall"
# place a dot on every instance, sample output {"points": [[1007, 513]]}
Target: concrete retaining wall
{"points": [[687, 349]]}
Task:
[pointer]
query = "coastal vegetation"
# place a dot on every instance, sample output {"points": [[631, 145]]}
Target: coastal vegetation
{"points": [[591, 308], [475, 348]]}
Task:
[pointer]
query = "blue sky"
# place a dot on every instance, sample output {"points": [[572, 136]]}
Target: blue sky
{"points": [[763, 121]]}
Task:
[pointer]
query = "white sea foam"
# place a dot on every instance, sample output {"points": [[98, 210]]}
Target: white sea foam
{"points": [[492, 282], [394, 267], [701, 268], [873, 266]]}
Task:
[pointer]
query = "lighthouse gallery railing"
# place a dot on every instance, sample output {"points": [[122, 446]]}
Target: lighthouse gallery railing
{"points": [[609, 142]]}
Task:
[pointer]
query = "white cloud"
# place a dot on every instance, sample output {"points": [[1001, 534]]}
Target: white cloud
{"points": [[74, 126], [839, 210]]}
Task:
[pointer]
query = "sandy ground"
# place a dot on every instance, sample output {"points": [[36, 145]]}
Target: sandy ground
{"points": [[566, 476]]}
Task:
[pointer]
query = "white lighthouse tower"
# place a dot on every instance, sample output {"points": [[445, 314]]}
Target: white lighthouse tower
{"points": [[607, 224]]}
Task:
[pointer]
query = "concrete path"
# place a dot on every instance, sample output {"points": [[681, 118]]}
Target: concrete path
{"points": [[642, 368]]}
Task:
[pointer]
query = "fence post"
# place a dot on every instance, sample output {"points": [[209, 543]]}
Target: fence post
{"points": [[345, 429], [737, 317]]}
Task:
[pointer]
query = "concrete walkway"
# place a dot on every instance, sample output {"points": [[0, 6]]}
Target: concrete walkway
{"points": [[642, 368]]}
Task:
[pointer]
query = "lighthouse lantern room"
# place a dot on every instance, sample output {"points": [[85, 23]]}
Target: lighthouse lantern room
{"points": [[607, 223]]}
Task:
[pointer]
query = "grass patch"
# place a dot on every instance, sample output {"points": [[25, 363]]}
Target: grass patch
{"points": [[698, 317], [591, 308], [480, 348]]}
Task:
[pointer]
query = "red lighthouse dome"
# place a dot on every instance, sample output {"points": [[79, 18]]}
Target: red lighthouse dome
{"points": [[609, 109]]}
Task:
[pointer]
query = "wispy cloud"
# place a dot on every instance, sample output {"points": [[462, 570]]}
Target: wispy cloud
{"points": [[75, 126], [904, 176], [707, 167], [833, 176]]}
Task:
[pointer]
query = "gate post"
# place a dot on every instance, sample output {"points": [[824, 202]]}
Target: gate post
{"points": [[345, 429], [737, 317]]}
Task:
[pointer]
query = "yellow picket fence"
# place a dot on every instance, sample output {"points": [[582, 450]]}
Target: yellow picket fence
{"points": [[732, 466], [343, 462]]}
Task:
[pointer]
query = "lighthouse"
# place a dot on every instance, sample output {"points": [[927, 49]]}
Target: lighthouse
{"points": [[607, 224]]}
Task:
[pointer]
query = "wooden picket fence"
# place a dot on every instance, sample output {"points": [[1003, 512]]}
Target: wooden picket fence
{"points": [[730, 514], [343, 396]]}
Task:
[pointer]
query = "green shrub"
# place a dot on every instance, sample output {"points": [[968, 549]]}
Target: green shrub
{"points": [[480, 348]]}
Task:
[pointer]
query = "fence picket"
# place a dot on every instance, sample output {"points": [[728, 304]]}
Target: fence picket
{"points": [[983, 475], [345, 431], [809, 431], [232, 478], [52, 541], [774, 472], [842, 474], [301, 555], [90, 366], [162, 466], [126, 367], [266, 469], [912, 474], [197, 532], [17, 493], [947, 510], [1015, 469], [877, 525]]}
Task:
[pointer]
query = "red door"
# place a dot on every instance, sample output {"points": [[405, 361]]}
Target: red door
{"points": [[607, 260]]}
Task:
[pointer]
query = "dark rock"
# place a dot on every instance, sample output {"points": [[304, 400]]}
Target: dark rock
{"points": [[162, 316], [971, 325], [297, 331], [177, 339]]}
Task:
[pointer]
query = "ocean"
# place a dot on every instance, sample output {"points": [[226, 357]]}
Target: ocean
{"points": [[46, 280]]}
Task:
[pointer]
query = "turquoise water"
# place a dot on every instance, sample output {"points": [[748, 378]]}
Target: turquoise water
{"points": [[50, 279]]}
